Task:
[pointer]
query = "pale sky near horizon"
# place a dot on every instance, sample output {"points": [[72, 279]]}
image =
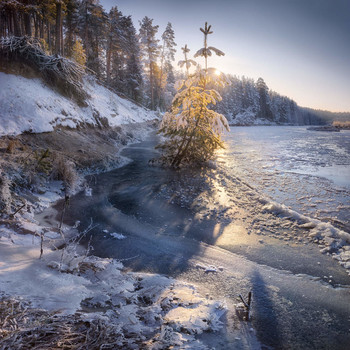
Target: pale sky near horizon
{"points": [[301, 48]]}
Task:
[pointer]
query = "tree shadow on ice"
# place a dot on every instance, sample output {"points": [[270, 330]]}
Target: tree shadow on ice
{"points": [[160, 237], [264, 317]]}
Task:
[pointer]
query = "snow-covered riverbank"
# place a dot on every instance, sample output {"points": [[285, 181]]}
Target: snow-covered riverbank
{"points": [[41, 284], [132, 311], [68, 284]]}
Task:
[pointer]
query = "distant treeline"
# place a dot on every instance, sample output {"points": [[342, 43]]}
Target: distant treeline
{"points": [[329, 117], [247, 102]]}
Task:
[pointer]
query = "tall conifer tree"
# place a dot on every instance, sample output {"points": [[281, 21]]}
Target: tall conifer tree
{"points": [[150, 52], [167, 56]]}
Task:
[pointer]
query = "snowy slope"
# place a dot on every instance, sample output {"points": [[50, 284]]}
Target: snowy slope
{"points": [[30, 105]]}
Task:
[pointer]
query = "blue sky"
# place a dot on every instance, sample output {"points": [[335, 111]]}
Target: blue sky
{"points": [[301, 48]]}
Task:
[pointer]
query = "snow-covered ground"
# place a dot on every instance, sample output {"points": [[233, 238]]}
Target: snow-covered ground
{"points": [[30, 105], [144, 310], [151, 310]]}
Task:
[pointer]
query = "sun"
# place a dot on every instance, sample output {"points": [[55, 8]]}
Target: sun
{"points": [[217, 72]]}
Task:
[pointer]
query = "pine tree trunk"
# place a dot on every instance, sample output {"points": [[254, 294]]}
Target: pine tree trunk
{"points": [[9, 25], [36, 26], [15, 25], [177, 160], [151, 81], [69, 39], [41, 29], [86, 34], [22, 26], [58, 27], [108, 60], [49, 41], [61, 35], [161, 74], [69, 44], [27, 24]]}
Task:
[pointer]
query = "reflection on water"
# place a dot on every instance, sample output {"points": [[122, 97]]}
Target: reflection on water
{"points": [[308, 171]]}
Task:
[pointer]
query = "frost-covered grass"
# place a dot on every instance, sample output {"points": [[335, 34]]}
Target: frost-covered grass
{"points": [[131, 310]]}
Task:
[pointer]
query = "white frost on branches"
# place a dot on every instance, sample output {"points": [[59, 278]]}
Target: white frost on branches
{"points": [[206, 51], [187, 63], [193, 129], [56, 69]]}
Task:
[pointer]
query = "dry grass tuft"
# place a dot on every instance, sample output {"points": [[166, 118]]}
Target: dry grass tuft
{"points": [[11, 146], [23, 327], [63, 169]]}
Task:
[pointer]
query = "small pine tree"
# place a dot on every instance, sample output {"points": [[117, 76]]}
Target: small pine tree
{"points": [[192, 130], [78, 53], [186, 62]]}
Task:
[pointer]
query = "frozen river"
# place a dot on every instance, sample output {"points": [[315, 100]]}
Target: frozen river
{"points": [[306, 170], [172, 222]]}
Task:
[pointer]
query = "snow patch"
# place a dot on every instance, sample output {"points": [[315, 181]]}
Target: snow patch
{"points": [[117, 235], [248, 117], [143, 307], [21, 110]]}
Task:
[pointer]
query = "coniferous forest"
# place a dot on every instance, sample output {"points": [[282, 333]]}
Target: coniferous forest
{"points": [[137, 59]]}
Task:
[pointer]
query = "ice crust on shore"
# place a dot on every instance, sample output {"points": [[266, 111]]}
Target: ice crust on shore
{"points": [[332, 240]]}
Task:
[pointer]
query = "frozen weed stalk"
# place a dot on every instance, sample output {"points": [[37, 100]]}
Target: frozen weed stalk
{"points": [[192, 130]]}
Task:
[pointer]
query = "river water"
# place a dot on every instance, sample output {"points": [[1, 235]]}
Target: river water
{"points": [[294, 307], [309, 171]]}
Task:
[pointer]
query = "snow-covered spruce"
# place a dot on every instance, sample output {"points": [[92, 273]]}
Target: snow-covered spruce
{"points": [[192, 129]]}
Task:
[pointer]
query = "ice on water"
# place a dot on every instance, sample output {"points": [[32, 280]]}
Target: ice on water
{"points": [[306, 170]]}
